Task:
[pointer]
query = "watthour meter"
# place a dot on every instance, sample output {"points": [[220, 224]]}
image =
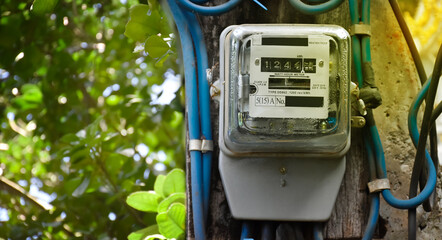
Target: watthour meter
{"points": [[284, 119]]}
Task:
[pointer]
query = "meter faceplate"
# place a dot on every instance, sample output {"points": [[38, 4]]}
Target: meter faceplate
{"points": [[286, 161], [289, 80]]}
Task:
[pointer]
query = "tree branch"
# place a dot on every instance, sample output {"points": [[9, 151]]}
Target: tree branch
{"points": [[16, 189]]}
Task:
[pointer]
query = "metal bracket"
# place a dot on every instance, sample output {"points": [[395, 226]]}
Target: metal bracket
{"points": [[357, 121], [378, 185], [360, 29], [200, 145]]}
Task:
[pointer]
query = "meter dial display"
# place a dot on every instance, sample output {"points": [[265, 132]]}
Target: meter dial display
{"points": [[291, 76]]}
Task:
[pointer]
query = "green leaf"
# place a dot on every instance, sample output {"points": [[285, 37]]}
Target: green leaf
{"points": [[155, 237], [144, 233], [92, 129], [144, 201], [31, 97], [136, 31], [43, 6], [113, 100], [172, 223], [159, 183], [143, 23], [173, 198], [156, 46], [82, 187], [160, 61], [153, 4], [69, 138], [175, 182], [114, 162]]}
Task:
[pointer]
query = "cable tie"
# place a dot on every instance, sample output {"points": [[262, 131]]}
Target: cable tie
{"points": [[200, 145], [360, 29], [378, 185]]}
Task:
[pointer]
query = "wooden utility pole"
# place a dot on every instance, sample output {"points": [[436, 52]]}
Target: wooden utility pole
{"points": [[350, 214]]}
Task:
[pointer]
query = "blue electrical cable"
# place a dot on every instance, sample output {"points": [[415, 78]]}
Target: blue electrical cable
{"points": [[199, 1], [365, 40], [260, 4], [356, 47], [193, 119], [204, 102], [366, 53], [317, 1], [268, 231], [374, 197], [388, 196], [212, 10], [245, 230], [373, 217], [412, 115], [354, 9], [365, 16], [317, 231], [315, 9]]}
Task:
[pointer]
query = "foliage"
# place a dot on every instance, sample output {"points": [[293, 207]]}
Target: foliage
{"points": [[168, 201], [83, 118], [424, 20]]}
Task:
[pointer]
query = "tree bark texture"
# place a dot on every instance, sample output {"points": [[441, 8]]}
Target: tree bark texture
{"points": [[350, 214]]}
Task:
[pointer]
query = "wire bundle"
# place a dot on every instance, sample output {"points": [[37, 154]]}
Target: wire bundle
{"points": [[198, 109], [373, 143]]}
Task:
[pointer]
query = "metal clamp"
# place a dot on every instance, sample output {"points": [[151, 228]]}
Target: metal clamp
{"points": [[378, 185], [195, 145], [357, 121], [200, 145], [360, 29]]}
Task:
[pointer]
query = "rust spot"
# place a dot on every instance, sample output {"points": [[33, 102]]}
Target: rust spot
{"points": [[396, 35]]}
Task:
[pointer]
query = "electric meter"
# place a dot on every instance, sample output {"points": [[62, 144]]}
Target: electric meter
{"points": [[284, 119]]}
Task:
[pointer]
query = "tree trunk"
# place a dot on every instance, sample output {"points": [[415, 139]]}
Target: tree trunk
{"points": [[350, 214]]}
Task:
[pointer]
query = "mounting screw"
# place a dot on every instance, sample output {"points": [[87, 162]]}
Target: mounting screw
{"points": [[283, 183], [357, 121], [321, 63], [283, 170], [257, 62]]}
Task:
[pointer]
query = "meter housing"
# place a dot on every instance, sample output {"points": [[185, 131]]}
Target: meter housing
{"points": [[288, 89], [284, 119]]}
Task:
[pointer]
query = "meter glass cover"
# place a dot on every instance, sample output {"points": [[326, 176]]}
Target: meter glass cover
{"points": [[287, 84]]}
